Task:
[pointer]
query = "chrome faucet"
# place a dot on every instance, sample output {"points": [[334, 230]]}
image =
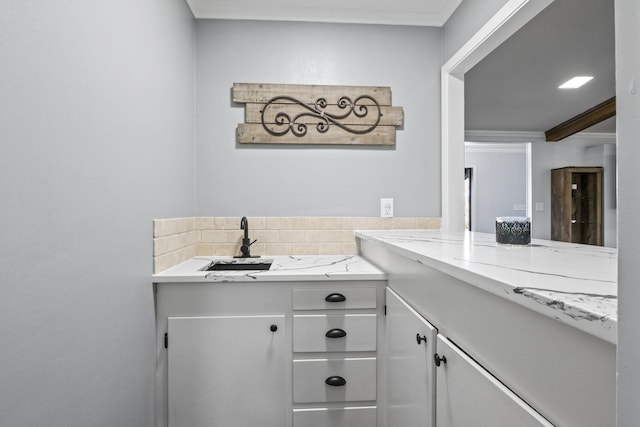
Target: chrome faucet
{"points": [[246, 242]]}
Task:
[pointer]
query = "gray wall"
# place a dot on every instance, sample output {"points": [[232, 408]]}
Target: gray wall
{"points": [[576, 151], [500, 176], [96, 139], [582, 149], [234, 180], [628, 129], [470, 16]]}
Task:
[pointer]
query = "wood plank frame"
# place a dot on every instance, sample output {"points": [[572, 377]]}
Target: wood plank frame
{"points": [[592, 116], [316, 114]]}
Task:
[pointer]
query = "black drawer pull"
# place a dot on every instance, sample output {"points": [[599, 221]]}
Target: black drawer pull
{"points": [[419, 338], [335, 381], [335, 333], [335, 298], [437, 359]]}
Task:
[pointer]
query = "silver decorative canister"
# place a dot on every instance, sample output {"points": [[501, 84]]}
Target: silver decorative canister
{"points": [[513, 230]]}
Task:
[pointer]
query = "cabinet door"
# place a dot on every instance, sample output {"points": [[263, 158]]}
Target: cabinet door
{"points": [[468, 396], [227, 371], [410, 370]]}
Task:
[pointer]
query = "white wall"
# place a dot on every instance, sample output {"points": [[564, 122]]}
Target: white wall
{"points": [[236, 180], [628, 130], [96, 139]]}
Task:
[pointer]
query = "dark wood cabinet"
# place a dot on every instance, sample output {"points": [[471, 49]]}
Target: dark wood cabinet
{"points": [[576, 205]]}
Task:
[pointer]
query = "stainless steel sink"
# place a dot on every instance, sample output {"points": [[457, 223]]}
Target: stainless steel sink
{"points": [[239, 264]]}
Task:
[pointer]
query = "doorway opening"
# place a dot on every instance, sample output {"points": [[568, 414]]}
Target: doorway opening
{"points": [[497, 183]]}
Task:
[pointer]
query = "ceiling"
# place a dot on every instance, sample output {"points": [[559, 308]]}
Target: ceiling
{"points": [[515, 88], [396, 12]]}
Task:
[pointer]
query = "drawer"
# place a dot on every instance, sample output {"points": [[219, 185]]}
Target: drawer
{"points": [[328, 299], [364, 416], [325, 332], [310, 380]]}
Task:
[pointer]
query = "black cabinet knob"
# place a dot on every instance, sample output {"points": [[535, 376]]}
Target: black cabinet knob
{"points": [[335, 381], [437, 359], [273, 328], [335, 333], [419, 338], [335, 298]]}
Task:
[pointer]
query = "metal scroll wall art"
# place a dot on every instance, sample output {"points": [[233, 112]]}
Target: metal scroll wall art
{"points": [[298, 127], [312, 114]]}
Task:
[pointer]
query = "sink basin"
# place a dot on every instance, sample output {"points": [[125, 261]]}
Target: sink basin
{"points": [[239, 264]]}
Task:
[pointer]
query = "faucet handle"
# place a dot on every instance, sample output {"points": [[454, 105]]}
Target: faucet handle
{"points": [[244, 249]]}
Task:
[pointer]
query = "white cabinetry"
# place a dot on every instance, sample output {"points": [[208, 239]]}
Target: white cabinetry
{"points": [[347, 379], [469, 396], [270, 354], [461, 393], [335, 365], [334, 332], [224, 369], [223, 365], [410, 369], [565, 374], [363, 416]]}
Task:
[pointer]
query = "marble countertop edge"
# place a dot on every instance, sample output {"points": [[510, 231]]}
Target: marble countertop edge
{"points": [[283, 269], [570, 300]]}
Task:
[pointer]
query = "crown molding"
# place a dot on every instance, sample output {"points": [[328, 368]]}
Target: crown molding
{"points": [[434, 13]]}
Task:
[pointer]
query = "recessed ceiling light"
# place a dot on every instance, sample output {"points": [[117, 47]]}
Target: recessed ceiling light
{"points": [[575, 82]]}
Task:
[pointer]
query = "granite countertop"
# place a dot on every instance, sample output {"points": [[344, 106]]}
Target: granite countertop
{"points": [[572, 283], [284, 268]]}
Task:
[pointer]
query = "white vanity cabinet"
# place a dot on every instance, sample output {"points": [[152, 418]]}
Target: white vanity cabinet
{"points": [[564, 373], [432, 382], [224, 369], [469, 396], [410, 370], [223, 354], [269, 354], [336, 333]]}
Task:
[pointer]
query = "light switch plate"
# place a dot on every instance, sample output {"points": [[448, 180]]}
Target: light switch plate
{"points": [[386, 208]]}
